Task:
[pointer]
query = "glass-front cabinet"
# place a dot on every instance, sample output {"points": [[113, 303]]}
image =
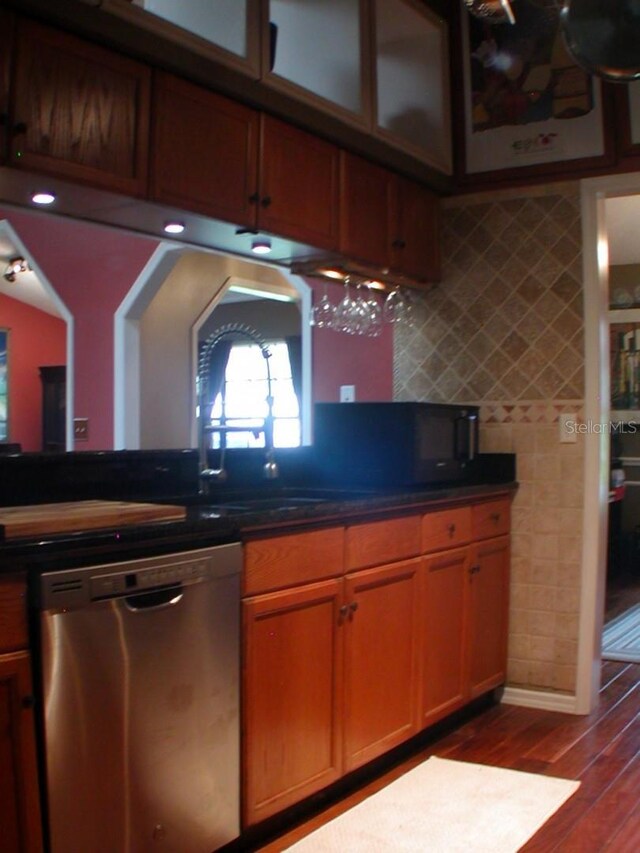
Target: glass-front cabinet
{"points": [[624, 354], [379, 65]]}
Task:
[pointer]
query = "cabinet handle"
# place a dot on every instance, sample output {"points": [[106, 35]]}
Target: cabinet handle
{"points": [[452, 529], [254, 198], [20, 127], [398, 244], [266, 201], [495, 517], [473, 570], [353, 606], [344, 610]]}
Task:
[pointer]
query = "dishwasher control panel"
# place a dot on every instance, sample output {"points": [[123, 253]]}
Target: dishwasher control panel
{"points": [[76, 587]]}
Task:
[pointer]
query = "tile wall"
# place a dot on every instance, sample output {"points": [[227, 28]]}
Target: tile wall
{"points": [[505, 329]]}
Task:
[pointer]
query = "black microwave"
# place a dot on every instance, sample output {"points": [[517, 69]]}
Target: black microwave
{"points": [[392, 444]]}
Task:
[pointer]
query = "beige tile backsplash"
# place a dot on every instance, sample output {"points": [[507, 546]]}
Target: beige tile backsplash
{"points": [[505, 329]]}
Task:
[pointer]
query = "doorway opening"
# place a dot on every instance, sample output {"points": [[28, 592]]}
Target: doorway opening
{"points": [[596, 194]]}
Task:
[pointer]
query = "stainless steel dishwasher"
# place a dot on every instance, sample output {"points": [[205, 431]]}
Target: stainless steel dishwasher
{"points": [[140, 671]]}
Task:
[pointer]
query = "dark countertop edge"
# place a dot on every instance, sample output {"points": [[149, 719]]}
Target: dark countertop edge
{"points": [[133, 541]]}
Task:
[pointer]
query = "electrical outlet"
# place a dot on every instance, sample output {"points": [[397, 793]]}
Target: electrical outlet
{"points": [[81, 429], [347, 393], [568, 431]]}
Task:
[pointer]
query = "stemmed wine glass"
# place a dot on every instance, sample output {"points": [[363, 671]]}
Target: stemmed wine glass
{"points": [[324, 312], [345, 312]]}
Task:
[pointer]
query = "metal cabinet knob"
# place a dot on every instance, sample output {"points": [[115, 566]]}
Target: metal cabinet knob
{"points": [[266, 201], [495, 517], [451, 529]]}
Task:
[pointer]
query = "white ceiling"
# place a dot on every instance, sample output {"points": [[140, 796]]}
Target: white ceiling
{"points": [[27, 287], [623, 229]]}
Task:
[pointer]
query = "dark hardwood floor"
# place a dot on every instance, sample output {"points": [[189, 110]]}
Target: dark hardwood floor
{"points": [[602, 750]]}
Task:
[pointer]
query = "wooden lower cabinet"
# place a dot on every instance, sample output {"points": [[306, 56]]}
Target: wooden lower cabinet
{"points": [[339, 670], [292, 696], [488, 615], [381, 675], [19, 797], [444, 597]]}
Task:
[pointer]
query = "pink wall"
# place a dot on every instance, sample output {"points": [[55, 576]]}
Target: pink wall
{"points": [[91, 268], [341, 359], [36, 339]]}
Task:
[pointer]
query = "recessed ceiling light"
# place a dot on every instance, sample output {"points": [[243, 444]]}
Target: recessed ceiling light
{"points": [[174, 227], [43, 197], [329, 273], [261, 247]]}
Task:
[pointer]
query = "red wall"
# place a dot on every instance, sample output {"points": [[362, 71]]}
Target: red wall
{"points": [[341, 359], [92, 268], [36, 339]]}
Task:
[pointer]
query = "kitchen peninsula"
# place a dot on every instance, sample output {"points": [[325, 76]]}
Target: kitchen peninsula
{"points": [[398, 598]]}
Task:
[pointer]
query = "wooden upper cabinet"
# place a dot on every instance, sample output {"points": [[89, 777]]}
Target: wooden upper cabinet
{"points": [[366, 195], [204, 151], [79, 111], [416, 240], [7, 23], [298, 185]]}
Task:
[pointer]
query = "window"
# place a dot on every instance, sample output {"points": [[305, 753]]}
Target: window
{"points": [[243, 399]]}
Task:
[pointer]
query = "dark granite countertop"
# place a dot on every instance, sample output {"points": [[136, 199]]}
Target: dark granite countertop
{"points": [[211, 523]]}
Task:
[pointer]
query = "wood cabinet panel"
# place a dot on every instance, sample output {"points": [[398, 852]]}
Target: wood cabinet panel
{"points": [[366, 198], [298, 184], [204, 151], [13, 613], [292, 696], [491, 518], [7, 24], [19, 795], [444, 638], [282, 561], [380, 660], [488, 614], [379, 542], [416, 242], [446, 529], [79, 110]]}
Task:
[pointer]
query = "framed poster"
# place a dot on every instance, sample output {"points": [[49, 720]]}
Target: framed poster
{"points": [[4, 385], [526, 102]]}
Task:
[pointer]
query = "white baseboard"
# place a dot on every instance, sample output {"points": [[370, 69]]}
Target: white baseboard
{"points": [[539, 699]]}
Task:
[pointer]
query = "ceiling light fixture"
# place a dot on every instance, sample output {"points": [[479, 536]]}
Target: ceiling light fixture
{"points": [[173, 227], [262, 246], [16, 265], [43, 197]]}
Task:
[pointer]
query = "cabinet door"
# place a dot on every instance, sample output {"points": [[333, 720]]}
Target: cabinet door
{"points": [[488, 614], [292, 696], [19, 796], [298, 185], [445, 585], [7, 22], [366, 192], [205, 151], [381, 686], [79, 111], [416, 243]]}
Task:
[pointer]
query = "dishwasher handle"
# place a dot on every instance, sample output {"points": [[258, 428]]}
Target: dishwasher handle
{"points": [[158, 599]]}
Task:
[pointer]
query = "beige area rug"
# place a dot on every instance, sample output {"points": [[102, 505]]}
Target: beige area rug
{"points": [[621, 637], [445, 806]]}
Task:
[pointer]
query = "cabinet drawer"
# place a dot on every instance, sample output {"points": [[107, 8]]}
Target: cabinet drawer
{"points": [[491, 518], [13, 613], [446, 529], [382, 542], [283, 561]]}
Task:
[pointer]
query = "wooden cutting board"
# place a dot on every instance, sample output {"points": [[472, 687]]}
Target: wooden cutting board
{"points": [[76, 516]]}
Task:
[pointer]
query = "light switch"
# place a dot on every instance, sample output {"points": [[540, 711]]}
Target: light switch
{"points": [[81, 429], [347, 393], [568, 428]]}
